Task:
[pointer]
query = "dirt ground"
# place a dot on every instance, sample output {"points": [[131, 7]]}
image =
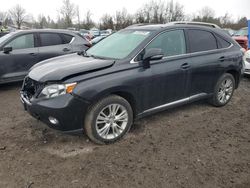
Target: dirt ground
{"points": [[193, 146]]}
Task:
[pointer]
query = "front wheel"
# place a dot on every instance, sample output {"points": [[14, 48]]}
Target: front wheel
{"points": [[108, 120], [224, 90]]}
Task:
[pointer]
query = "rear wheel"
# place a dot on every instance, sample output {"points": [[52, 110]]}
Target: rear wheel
{"points": [[108, 120], [224, 90]]}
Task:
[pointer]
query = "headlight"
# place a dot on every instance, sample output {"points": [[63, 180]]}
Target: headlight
{"points": [[55, 90]]}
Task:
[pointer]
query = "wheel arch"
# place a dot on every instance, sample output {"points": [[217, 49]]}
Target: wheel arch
{"points": [[125, 93], [236, 76]]}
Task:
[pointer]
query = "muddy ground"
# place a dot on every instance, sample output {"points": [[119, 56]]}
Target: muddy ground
{"points": [[193, 146]]}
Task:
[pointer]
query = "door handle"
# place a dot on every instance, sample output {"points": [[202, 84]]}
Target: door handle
{"points": [[185, 66], [66, 49], [222, 58], [33, 54]]}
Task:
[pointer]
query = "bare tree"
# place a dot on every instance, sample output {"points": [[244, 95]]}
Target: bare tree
{"points": [[42, 21], [88, 23], [68, 12], [160, 12], [226, 20], [3, 16], [206, 14], [18, 15], [139, 17], [122, 19], [106, 22], [78, 17], [174, 12]]}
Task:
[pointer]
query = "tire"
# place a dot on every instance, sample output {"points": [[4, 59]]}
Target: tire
{"points": [[223, 90], [108, 120]]}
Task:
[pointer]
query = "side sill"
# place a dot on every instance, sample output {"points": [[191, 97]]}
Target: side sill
{"points": [[173, 104]]}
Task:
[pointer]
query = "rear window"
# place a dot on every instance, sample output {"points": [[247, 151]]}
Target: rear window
{"points": [[50, 39], [201, 40], [222, 43]]}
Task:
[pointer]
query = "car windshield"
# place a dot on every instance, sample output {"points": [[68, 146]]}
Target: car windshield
{"points": [[241, 32], [2, 39], [118, 45]]}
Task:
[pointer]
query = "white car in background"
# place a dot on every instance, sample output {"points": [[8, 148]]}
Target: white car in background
{"points": [[247, 62]]}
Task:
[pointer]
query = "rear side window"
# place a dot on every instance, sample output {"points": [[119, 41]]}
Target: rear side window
{"points": [[201, 40], [50, 39], [22, 42], [171, 42], [222, 43], [67, 38]]}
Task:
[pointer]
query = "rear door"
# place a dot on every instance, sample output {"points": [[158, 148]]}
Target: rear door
{"points": [[54, 44], [208, 58], [15, 64]]}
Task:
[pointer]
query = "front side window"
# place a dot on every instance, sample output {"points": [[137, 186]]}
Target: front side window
{"points": [[171, 42], [22, 42], [201, 40], [118, 45], [50, 39]]}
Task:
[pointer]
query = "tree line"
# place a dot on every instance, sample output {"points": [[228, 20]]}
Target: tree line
{"points": [[155, 11]]}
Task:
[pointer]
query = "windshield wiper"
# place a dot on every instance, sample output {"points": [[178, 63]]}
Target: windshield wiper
{"points": [[96, 57], [83, 53]]}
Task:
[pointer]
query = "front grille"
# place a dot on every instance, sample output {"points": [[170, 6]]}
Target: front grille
{"points": [[31, 88]]}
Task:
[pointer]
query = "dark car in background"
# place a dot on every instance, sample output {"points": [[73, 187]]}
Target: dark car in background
{"points": [[20, 50], [135, 72]]}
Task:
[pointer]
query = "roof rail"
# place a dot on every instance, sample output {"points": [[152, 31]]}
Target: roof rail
{"points": [[134, 25], [196, 23]]}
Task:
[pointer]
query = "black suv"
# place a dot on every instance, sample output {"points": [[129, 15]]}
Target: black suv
{"points": [[135, 72], [20, 50]]}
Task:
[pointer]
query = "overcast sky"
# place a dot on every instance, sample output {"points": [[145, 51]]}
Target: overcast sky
{"points": [[236, 8]]}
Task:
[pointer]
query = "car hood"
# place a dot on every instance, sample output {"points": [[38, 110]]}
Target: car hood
{"points": [[58, 68]]}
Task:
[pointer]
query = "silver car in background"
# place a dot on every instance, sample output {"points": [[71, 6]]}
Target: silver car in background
{"points": [[247, 62]]}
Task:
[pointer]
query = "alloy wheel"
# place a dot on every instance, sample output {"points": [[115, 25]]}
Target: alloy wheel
{"points": [[225, 91], [111, 121]]}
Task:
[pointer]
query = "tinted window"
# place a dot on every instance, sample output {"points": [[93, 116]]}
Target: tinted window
{"points": [[201, 40], [67, 38], [50, 39], [22, 42], [222, 43], [171, 42]]}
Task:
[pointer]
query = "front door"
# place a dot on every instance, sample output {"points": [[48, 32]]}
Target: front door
{"points": [[15, 64], [168, 80]]}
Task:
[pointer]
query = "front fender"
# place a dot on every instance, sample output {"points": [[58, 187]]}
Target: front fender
{"points": [[99, 87]]}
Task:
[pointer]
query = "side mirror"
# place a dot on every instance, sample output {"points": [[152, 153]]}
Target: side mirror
{"points": [[6, 50], [150, 55]]}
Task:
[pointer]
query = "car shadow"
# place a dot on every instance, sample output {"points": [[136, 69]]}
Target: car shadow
{"points": [[11, 85]]}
